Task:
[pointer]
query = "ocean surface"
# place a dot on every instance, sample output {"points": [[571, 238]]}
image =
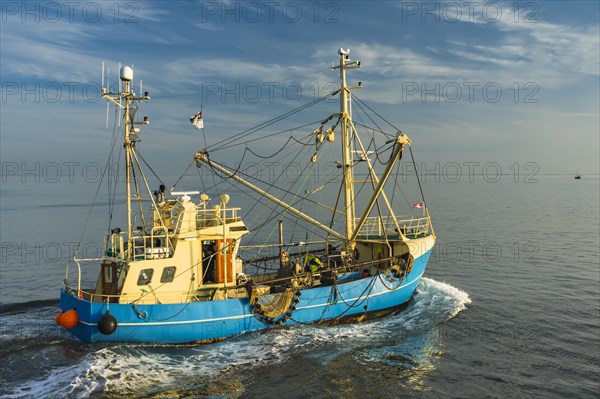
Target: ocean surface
{"points": [[509, 308]]}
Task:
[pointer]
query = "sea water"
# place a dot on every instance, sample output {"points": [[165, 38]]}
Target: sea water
{"points": [[509, 307]]}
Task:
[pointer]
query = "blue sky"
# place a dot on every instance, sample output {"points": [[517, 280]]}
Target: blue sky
{"points": [[505, 82]]}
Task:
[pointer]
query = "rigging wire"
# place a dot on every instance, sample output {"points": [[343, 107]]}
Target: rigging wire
{"points": [[276, 152], [183, 174], [106, 168], [388, 135], [137, 191], [205, 146], [235, 141], [368, 116], [112, 196], [223, 143], [270, 135], [321, 193], [271, 185], [417, 174], [148, 166], [375, 112], [274, 210]]}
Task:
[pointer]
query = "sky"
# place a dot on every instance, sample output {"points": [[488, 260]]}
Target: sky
{"points": [[514, 84]]}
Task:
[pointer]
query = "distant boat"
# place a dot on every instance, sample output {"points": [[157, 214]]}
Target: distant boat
{"points": [[178, 278], [577, 176]]}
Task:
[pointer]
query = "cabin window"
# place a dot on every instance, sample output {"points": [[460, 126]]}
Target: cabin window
{"points": [[145, 276], [168, 274]]}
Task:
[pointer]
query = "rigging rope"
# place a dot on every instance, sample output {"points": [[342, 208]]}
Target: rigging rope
{"points": [[148, 166], [106, 167], [112, 196], [227, 141], [271, 135], [375, 112], [417, 174]]}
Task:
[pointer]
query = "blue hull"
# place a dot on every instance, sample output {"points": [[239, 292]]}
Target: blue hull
{"points": [[214, 320]]}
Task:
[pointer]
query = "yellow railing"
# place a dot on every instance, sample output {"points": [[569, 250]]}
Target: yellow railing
{"points": [[143, 298], [154, 246], [214, 217], [411, 227]]}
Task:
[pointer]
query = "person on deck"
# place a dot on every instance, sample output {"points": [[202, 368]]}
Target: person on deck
{"points": [[208, 262]]}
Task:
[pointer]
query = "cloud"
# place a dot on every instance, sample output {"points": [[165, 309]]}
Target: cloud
{"points": [[558, 53], [523, 50], [175, 55], [46, 62], [60, 52]]}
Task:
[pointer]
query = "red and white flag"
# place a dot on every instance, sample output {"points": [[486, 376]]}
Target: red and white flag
{"points": [[197, 120], [418, 205]]}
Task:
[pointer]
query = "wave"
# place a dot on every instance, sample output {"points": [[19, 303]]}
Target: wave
{"points": [[12, 308]]}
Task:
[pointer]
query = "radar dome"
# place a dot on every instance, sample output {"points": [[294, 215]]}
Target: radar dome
{"points": [[126, 73]]}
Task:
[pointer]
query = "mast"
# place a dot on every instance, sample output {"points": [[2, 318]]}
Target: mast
{"points": [[126, 75], [126, 78], [352, 227], [347, 161]]}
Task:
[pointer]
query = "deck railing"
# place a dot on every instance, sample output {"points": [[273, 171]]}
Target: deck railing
{"points": [[89, 294], [153, 246], [410, 227], [214, 217]]}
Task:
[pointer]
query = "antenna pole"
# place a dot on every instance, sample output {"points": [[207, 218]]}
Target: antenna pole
{"points": [[104, 91], [119, 90]]}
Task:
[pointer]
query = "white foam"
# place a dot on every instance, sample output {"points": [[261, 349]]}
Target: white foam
{"points": [[58, 384], [20, 328], [435, 302]]}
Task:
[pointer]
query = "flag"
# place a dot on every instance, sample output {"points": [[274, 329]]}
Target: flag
{"points": [[197, 120], [418, 205]]}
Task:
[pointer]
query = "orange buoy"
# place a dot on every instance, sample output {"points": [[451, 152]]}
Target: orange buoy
{"points": [[59, 317], [69, 319]]}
